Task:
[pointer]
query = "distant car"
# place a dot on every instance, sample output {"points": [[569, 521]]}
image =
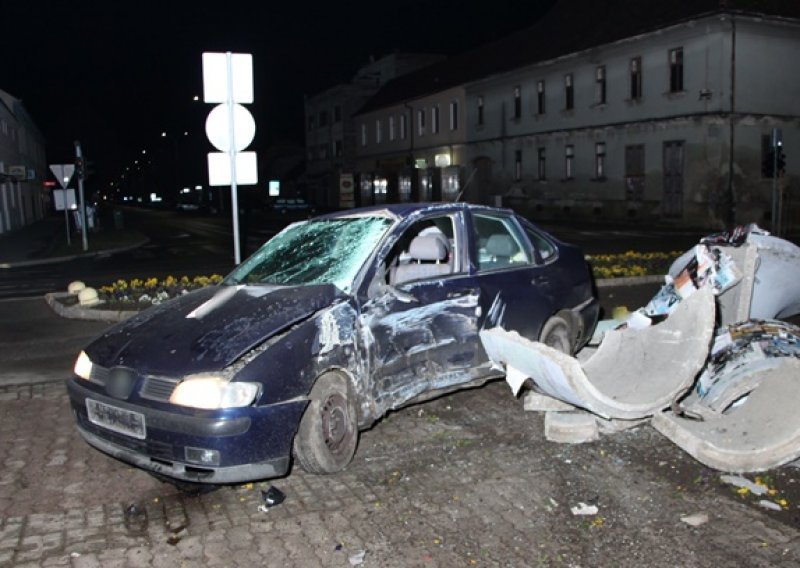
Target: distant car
{"points": [[332, 323]]}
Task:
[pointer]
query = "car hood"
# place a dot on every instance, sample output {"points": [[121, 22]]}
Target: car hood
{"points": [[209, 329]]}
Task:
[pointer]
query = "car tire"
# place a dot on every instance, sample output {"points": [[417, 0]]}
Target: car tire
{"points": [[557, 333], [328, 434]]}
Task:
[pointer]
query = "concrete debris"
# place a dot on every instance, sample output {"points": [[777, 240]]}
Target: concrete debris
{"points": [[727, 398], [618, 381], [533, 401], [696, 519], [759, 433], [584, 509], [767, 504], [358, 558], [570, 427], [744, 483]]}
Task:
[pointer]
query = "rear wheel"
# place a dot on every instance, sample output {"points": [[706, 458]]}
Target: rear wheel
{"points": [[328, 434], [557, 333]]}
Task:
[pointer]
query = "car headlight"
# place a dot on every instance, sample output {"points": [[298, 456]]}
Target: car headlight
{"points": [[83, 366], [212, 392]]}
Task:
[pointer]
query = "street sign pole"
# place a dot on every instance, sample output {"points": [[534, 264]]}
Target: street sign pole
{"points": [[63, 174], [237, 253], [82, 206]]}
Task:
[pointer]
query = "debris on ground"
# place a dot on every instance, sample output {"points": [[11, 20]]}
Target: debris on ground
{"points": [[696, 519], [271, 497], [707, 361], [583, 509], [358, 558]]}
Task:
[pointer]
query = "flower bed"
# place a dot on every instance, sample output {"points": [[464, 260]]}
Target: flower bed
{"points": [[631, 263], [152, 290]]}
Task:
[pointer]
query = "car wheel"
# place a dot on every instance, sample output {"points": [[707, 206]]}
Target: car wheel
{"points": [[557, 333], [328, 434]]}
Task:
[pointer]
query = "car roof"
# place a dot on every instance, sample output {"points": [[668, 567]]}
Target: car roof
{"points": [[402, 210]]}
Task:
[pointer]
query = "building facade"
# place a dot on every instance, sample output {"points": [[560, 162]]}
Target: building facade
{"points": [[667, 116], [23, 197], [331, 136]]}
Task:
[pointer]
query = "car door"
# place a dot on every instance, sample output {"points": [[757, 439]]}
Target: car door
{"points": [[423, 331], [518, 288]]}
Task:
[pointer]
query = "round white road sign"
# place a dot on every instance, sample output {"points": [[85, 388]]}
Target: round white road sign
{"points": [[218, 128]]}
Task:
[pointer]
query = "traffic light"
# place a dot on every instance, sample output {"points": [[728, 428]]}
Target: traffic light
{"points": [[79, 168], [768, 164], [780, 164]]}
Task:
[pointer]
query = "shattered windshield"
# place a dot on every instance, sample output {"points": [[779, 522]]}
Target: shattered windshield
{"points": [[323, 251]]}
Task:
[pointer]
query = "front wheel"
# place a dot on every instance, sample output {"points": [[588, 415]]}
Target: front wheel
{"points": [[328, 434]]}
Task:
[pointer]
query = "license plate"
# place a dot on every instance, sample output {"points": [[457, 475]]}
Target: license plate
{"points": [[119, 420]]}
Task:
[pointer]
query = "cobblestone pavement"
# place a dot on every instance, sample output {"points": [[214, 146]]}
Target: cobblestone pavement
{"points": [[465, 480]]}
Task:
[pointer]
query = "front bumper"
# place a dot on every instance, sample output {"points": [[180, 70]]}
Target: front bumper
{"points": [[255, 443]]}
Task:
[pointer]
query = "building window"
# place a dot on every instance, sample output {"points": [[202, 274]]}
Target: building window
{"points": [[518, 165], [421, 122], [541, 164], [378, 131], [363, 134], [480, 111], [451, 185], [676, 70], [636, 78], [600, 160], [569, 161], [403, 126], [381, 186], [366, 189], [404, 188], [435, 119], [454, 115], [600, 85], [391, 128], [540, 97], [517, 103], [569, 92], [323, 118], [337, 113], [312, 122], [337, 148]]}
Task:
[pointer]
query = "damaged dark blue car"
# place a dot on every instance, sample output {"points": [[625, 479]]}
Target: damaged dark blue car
{"points": [[330, 325]]}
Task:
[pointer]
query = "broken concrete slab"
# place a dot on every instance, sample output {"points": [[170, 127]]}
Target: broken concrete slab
{"points": [[760, 432], [538, 402], [575, 427], [626, 378]]}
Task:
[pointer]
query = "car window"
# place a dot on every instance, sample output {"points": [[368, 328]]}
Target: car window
{"points": [[498, 242], [322, 251], [427, 249], [546, 249]]}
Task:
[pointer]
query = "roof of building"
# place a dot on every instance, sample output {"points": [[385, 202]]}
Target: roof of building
{"points": [[569, 27]]}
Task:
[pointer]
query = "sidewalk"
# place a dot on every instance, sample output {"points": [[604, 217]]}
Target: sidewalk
{"points": [[43, 241], [31, 242]]}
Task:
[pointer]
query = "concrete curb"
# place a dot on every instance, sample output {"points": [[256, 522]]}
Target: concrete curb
{"points": [[84, 313], [57, 259], [629, 281]]}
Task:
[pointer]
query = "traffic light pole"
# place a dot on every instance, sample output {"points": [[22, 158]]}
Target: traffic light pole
{"points": [[82, 207]]}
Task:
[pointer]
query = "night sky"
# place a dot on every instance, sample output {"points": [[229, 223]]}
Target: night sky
{"points": [[115, 74]]}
